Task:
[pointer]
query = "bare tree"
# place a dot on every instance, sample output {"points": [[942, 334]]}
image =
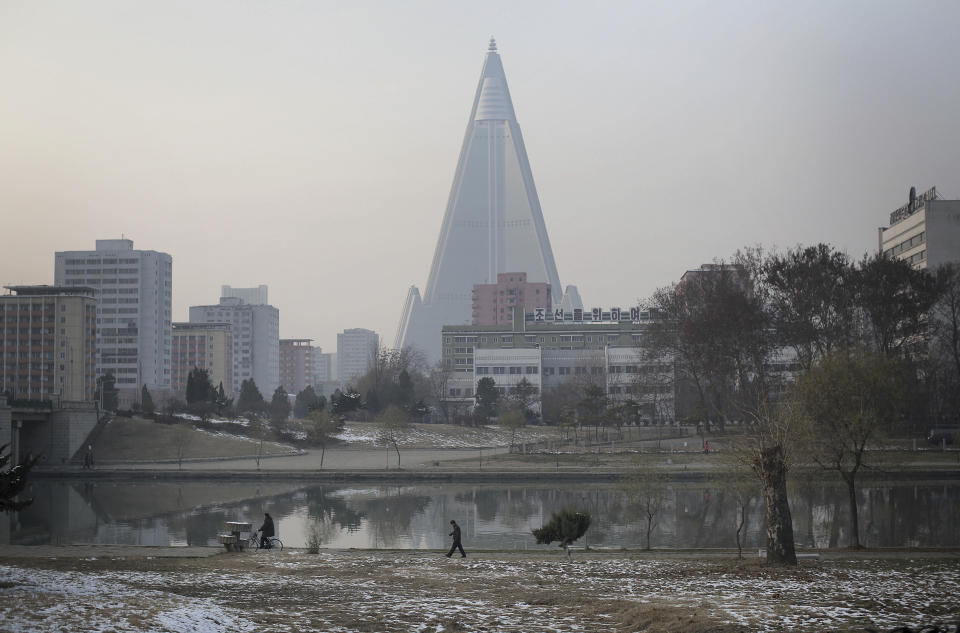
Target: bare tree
{"points": [[512, 419], [647, 492], [716, 324], [438, 385], [392, 424], [321, 427], [849, 398]]}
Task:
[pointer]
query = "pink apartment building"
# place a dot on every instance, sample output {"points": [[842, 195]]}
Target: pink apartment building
{"points": [[493, 303], [297, 366]]}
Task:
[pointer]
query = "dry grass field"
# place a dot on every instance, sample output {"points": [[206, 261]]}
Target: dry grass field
{"points": [[393, 591]]}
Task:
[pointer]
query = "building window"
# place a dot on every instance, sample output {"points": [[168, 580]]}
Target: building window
{"points": [[532, 369], [499, 370], [483, 370], [515, 370]]}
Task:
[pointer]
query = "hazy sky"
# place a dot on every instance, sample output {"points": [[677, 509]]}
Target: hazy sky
{"points": [[311, 146]]}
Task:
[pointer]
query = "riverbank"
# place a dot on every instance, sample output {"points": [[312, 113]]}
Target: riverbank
{"points": [[141, 589], [451, 476]]}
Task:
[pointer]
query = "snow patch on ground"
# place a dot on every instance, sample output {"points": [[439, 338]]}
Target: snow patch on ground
{"points": [[445, 436], [41, 601], [392, 591]]}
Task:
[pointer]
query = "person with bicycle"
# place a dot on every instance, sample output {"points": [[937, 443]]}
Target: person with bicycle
{"points": [[267, 530]]}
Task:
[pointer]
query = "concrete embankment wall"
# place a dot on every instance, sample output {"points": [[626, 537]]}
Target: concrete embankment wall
{"points": [[393, 476]]}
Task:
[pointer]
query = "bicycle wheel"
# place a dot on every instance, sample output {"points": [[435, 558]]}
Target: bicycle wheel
{"points": [[276, 543]]}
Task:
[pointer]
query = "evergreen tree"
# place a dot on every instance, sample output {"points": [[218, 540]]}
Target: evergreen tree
{"points": [[487, 397], [565, 526], [342, 403], [305, 402], [279, 407], [106, 393], [220, 399], [404, 390], [250, 400], [146, 401], [199, 387]]}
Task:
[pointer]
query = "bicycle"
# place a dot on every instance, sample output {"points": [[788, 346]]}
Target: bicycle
{"points": [[272, 542]]}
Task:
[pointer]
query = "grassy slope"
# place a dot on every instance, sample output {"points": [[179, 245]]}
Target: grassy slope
{"points": [[138, 439]]}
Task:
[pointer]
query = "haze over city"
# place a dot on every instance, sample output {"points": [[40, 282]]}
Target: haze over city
{"points": [[311, 147]]}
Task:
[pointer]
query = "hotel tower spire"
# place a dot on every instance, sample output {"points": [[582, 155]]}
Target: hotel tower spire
{"points": [[493, 222]]}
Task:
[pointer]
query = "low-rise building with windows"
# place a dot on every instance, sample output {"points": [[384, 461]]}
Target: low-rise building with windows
{"points": [[549, 349]]}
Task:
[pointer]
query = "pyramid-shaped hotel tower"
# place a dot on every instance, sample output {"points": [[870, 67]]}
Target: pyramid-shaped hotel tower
{"points": [[493, 222]]}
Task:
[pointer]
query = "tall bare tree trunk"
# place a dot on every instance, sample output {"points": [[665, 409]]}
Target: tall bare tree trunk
{"points": [[772, 470], [854, 514]]}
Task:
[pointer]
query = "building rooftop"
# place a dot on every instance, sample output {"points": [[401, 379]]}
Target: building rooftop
{"points": [[45, 290]]}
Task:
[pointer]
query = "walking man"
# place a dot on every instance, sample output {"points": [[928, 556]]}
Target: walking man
{"points": [[456, 540]]}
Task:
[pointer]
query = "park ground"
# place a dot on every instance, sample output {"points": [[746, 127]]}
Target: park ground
{"points": [[124, 589], [133, 443], [116, 589]]}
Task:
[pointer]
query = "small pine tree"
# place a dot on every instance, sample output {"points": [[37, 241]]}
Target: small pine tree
{"points": [[107, 394], [565, 526], [487, 397], [199, 387], [146, 401], [305, 402], [279, 407], [250, 400]]}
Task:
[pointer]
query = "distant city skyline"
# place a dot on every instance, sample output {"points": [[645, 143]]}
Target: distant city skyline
{"points": [[311, 147]]}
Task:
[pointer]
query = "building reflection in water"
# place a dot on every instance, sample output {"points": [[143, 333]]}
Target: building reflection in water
{"points": [[492, 516]]}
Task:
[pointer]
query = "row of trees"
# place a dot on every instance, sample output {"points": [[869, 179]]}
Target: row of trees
{"points": [[810, 349]]}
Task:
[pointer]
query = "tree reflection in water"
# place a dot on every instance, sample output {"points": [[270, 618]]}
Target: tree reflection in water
{"points": [[492, 516]]}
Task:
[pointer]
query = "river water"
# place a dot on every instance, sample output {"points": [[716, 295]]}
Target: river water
{"points": [[492, 516]]}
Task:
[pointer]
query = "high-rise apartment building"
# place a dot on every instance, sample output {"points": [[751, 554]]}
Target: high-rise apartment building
{"points": [[48, 342], [297, 364], [325, 366], [493, 303], [355, 350], [493, 222], [924, 232], [252, 296], [134, 293], [256, 340], [206, 346]]}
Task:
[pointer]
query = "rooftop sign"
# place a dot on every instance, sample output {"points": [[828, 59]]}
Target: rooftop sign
{"points": [[916, 203], [596, 315]]}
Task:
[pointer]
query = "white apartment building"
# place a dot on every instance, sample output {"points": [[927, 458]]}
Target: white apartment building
{"points": [[355, 349], [256, 340], [134, 328], [924, 232]]}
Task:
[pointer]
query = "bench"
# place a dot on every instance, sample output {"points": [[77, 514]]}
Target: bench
{"points": [[230, 541], [230, 537]]}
